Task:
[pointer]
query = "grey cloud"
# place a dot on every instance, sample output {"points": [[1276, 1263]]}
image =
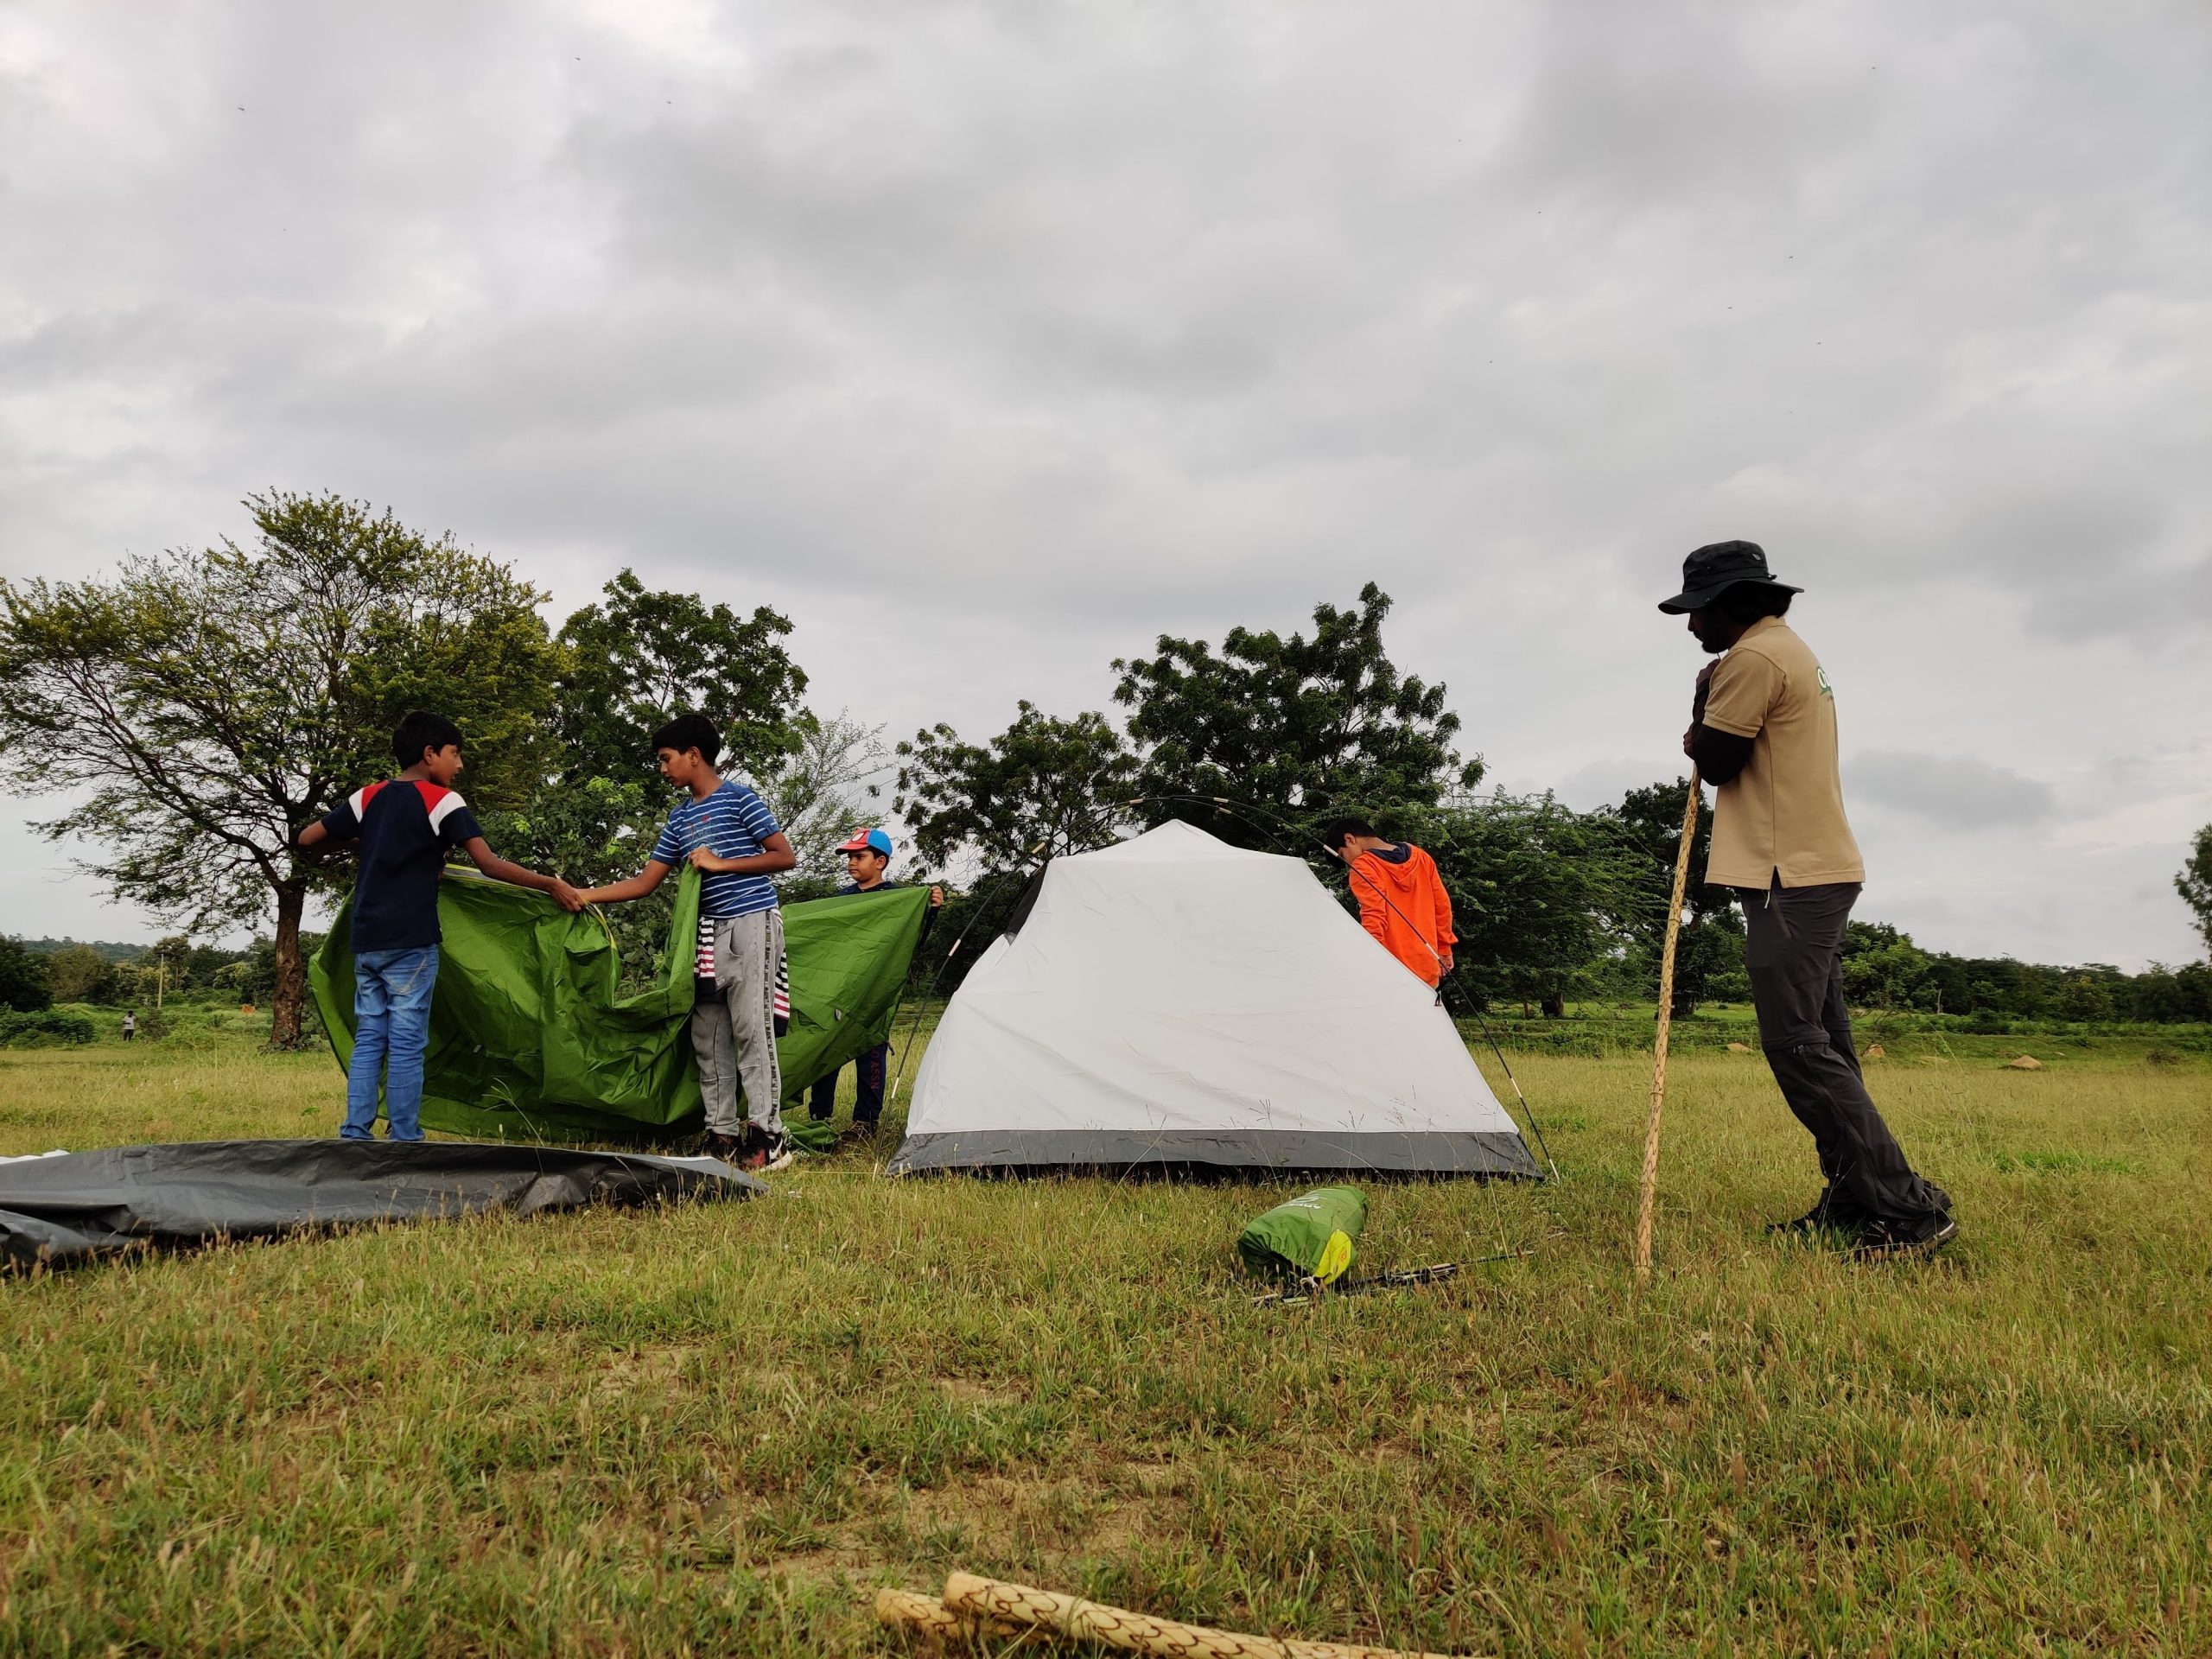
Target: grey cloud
{"points": [[1953, 791], [1602, 783], [1056, 328]]}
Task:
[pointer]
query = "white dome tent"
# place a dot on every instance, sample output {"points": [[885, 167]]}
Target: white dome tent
{"points": [[1179, 1002]]}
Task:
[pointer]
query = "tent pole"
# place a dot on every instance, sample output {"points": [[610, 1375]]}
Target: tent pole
{"points": [[1650, 1189]]}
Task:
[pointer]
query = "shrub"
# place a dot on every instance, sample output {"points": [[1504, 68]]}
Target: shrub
{"points": [[44, 1028], [25, 983]]}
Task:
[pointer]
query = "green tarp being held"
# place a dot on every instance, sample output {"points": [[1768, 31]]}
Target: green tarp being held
{"points": [[529, 1039]]}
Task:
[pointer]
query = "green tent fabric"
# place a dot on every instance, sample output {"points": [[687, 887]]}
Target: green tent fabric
{"points": [[1310, 1237], [529, 1041]]}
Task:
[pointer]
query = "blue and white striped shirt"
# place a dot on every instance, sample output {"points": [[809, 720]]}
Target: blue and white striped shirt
{"points": [[732, 823]]}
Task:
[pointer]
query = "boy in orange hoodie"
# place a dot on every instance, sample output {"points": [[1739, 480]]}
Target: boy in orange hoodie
{"points": [[1402, 898]]}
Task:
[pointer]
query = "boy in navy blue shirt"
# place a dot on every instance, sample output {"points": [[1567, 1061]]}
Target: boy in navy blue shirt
{"points": [[729, 834], [868, 862], [405, 828]]}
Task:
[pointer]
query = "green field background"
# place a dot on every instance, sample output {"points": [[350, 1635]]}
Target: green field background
{"points": [[716, 1429]]}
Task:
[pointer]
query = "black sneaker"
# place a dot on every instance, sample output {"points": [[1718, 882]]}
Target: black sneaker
{"points": [[727, 1148], [1889, 1241], [859, 1130], [765, 1152], [1825, 1216]]}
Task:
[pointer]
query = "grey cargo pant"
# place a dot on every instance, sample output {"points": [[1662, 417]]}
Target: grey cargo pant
{"points": [[733, 1031], [1794, 951]]}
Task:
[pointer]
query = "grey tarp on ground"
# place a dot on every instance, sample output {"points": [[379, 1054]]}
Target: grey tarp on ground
{"points": [[63, 1210]]}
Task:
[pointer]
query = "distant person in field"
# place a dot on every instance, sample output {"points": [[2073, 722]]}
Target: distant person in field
{"points": [[868, 868], [1762, 731], [130, 1024], [1401, 897], [405, 828], [728, 833]]}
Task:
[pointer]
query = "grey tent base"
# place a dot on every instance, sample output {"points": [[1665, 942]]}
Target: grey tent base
{"points": [[1234, 1153], [59, 1211]]}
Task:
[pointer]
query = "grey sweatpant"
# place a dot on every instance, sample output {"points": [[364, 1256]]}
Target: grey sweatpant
{"points": [[733, 1033], [1793, 949]]}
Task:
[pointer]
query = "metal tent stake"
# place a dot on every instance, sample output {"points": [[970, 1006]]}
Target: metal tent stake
{"points": [[1650, 1187]]}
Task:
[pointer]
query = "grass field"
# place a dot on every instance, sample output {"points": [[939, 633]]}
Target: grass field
{"points": [[716, 1429]]}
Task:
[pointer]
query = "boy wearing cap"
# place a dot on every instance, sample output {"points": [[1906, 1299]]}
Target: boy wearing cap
{"points": [[1762, 733], [868, 862]]}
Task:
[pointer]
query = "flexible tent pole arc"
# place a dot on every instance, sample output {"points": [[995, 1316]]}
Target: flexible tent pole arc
{"points": [[1285, 843]]}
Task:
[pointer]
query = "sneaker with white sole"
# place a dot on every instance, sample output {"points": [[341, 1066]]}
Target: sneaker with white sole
{"points": [[1891, 1241], [764, 1151]]}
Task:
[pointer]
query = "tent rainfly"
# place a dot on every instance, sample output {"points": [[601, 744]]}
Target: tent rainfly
{"points": [[1176, 1001]]}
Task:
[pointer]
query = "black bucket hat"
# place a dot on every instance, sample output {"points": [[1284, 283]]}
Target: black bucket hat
{"points": [[1716, 566]]}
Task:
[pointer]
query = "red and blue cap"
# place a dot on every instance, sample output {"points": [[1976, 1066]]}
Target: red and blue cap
{"points": [[868, 841]]}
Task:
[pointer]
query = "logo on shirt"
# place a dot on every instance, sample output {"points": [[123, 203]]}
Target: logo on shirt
{"points": [[1821, 679]]}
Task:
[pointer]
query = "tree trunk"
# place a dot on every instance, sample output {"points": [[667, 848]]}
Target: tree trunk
{"points": [[1555, 1005], [291, 968]]}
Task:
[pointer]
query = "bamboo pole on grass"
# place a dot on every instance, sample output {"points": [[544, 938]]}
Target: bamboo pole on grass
{"points": [[1071, 1616], [1649, 1193], [928, 1617]]}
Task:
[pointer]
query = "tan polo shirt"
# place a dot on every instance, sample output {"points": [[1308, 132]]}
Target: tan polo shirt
{"points": [[1784, 810]]}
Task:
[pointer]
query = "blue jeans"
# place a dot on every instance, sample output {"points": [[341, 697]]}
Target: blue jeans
{"points": [[392, 1025]]}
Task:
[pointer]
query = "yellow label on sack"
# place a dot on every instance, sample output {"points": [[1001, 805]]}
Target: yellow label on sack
{"points": [[1335, 1256]]}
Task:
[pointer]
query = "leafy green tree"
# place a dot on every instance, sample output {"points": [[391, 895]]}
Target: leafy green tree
{"points": [[632, 662], [1535, 887], [167, 964], [2171, 995], [1893, 973], [25, 985], [205, 962], [1308, 726], [2194, 883], [640, 657], [1710, 946], [214, 702], [79, 973], [828, 787], [1055, 785], [2086, 997]]}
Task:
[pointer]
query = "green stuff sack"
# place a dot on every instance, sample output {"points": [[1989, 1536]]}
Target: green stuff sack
{"points": [[1311, 1236]]}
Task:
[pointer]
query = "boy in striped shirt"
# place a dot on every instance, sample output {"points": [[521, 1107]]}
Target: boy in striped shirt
{"points": [[728, 832]]}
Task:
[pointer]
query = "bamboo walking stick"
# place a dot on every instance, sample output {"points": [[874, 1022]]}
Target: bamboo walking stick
{"points": [[928, 1617], [1650, 1187], [971, 1596]]}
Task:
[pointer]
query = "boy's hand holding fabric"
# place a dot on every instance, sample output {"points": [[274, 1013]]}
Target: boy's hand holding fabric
{"points": [[530, 1040]]}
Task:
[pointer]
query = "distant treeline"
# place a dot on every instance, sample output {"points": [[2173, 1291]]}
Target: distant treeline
{"points": [[37, 974], [112, 950], [1883, 967]]}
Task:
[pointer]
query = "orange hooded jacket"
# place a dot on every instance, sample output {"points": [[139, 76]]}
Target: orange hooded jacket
{"points": [[1404, 906]]}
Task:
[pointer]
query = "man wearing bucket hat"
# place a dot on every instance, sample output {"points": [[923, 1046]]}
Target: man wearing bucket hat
{"points": [[1763, 732], [867, 861]]}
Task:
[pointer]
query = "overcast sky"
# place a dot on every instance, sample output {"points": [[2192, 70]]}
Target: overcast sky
{"points": [[989, 341]]}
